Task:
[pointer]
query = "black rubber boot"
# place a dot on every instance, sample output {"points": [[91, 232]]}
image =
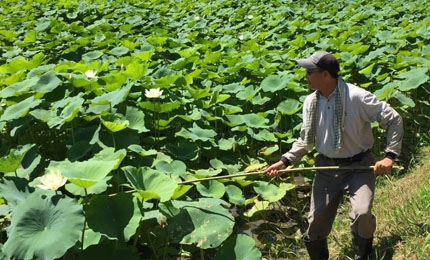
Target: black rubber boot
{"points": [[362, 247], [317, 249]]}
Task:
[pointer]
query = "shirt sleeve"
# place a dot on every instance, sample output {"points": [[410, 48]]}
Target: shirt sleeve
{"points": [[388, 119], [299, 148]]}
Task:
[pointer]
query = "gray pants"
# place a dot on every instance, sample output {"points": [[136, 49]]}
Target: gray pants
{"points": [[328, 189]]}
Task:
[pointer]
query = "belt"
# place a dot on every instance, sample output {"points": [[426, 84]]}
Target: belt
{"points": [[354, 158]]}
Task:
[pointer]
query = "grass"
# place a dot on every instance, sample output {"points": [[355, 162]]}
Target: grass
{"points": [[402, 208]]}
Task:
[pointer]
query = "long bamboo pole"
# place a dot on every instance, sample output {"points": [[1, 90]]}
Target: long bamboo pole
{"points": [[299, 169]]}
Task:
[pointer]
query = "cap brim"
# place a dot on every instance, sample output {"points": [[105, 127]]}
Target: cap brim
{"points": [[306, 63]]}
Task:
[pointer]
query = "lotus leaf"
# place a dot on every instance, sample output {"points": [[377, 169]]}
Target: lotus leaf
{"points": [[174, 167], [197, 133], [13, 160], [116, 217], [151, 184], [235, 195], [268, 191], [114, 122], [20, 109], [15, 190], [239, 247], [413, 79], [214, 189], [85, 173], [205, 223], [44, 226]]}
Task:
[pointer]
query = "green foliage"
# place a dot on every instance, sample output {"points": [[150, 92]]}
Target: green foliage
{"points": [[43, 225], [73, 78]]}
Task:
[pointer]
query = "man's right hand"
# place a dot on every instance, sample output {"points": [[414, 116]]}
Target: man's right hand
{"points": [[273, 170]]}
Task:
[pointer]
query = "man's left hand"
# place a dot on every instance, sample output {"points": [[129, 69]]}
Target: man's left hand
{"points": [[383, 166]]}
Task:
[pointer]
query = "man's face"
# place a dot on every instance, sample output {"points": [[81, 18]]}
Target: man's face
{"points": [[314, 78]]}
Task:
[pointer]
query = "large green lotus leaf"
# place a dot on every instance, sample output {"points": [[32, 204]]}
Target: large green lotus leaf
{"points": [[2, 255], [90, 238], [112, 98], [262, 135], [207, 172], [136, 118], [233, 88], [248, 93], [92, 55], [120, 51], [43, 24], [98, 187], [250, 120], [18, 88], [111, 155], [70, 106], [44, 226], [258, 206], [29, 165], [136, 69], [387, 91], [152, 183], [231, 109], [206, 223], [20, 109], [260, 100], [268, 191], [180, 191], [235, 195], [114, 122], [199, 93], [217, 164], [142, 152], [86, 173], [15, 190], [238, 247], [214, 189], [195, 115], [404, 99], [197, 133], [47, 82], [46, 115], [183, 151], [266, 151], [12, 161], [78, 150], [289, 106], [116, 217], [413, 79], [72, 109], [227, 144], [174, 167], [274, 83], [20, 63], [160, 107]]}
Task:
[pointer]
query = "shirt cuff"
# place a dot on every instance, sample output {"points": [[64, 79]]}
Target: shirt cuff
{"points": [[285, 161], [390, 155]]}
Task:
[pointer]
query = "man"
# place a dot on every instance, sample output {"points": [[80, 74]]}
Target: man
{"points": [[337, 119]]}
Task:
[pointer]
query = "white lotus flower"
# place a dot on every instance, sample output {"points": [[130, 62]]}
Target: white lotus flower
{"points": [[91, 74], [153, 93], [250, 17], [53, 180], [241, 37], [197, 18]]}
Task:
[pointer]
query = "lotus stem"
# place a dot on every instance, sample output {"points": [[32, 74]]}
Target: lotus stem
{"points": [[301, 169], [85, 222]]}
